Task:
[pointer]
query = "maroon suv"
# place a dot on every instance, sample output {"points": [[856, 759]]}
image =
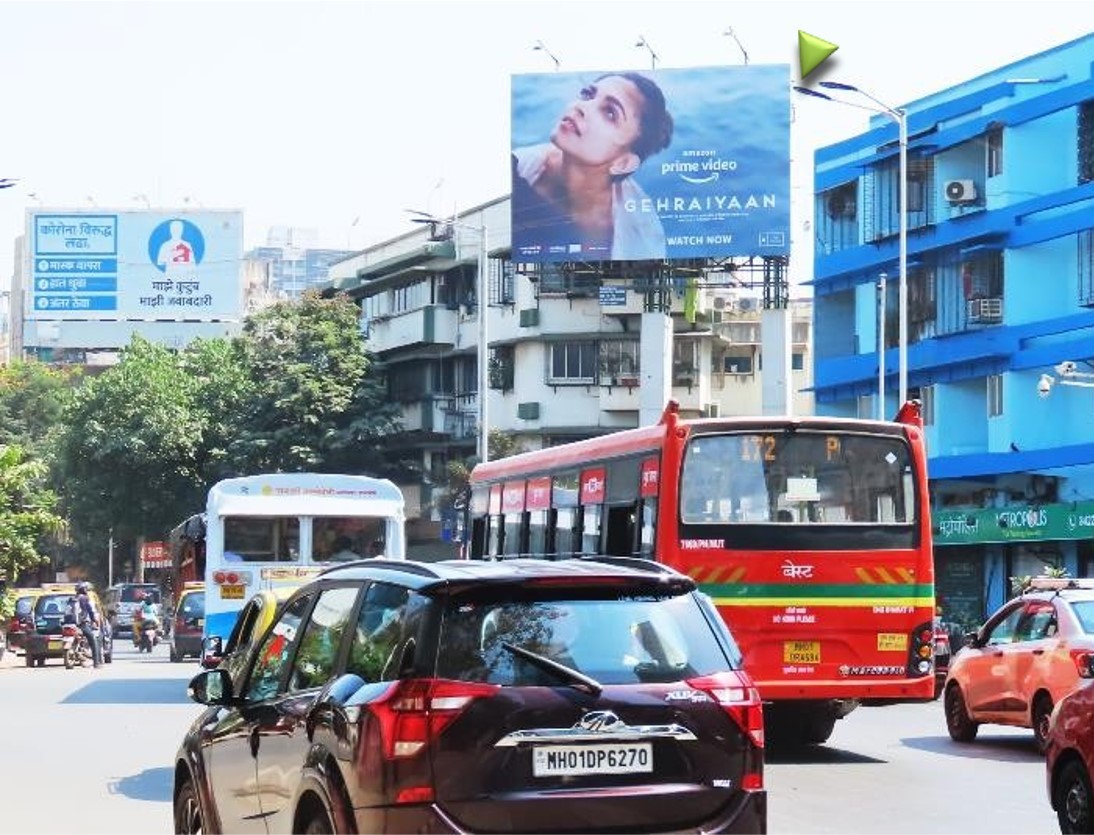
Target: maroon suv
{"points": [[515, 696]]}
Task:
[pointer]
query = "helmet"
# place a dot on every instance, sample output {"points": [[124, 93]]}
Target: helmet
{"points": [[81, 588]]}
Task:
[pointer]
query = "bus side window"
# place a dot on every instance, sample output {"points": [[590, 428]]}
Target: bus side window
{"points": [[620, 531], [478, 536], [647, 511], [564, 530], [494, 535], [537, 532], [590, 528]]}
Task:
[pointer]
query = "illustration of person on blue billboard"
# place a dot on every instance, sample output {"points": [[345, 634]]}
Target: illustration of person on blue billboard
{"points": [[176, 253], [573, 190]]}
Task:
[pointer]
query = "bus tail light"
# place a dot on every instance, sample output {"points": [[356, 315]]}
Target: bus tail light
{"points": [[922, 650], [232, 578]]}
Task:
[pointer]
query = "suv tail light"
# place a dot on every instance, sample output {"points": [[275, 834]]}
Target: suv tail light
{"points": [[1084, 662], [414, 712], [739, 698]]}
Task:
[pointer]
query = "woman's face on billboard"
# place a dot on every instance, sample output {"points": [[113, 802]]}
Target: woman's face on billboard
{"points": [[601, 125]]}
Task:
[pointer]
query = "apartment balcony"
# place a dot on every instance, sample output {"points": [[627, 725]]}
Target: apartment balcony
{"points": [[433, 325], [452, 415]]}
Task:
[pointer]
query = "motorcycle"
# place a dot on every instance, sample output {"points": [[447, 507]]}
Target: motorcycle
{"points": [[150, 634], [77, 651]]}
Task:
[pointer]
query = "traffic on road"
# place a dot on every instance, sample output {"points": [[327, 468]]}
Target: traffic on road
{"points": [[431, 686]]}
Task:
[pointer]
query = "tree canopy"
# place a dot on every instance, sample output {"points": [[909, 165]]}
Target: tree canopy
{"points": [[26, 511]]}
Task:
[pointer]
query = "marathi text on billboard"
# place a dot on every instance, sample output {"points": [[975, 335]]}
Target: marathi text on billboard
{"points": [[651, 165], [134, 265]]}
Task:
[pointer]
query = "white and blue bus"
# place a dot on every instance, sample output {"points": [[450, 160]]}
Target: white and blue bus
{"points": [[264, 531]]}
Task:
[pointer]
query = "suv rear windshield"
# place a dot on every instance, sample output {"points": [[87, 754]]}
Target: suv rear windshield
{"points": [[52, 605], [136, 594], [615, 640]]}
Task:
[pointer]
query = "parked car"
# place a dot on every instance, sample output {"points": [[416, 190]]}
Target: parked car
{"points": [[523, 695], [22, 619], [1022, 661], [188, 622], [46, 640], [1069, 757]]}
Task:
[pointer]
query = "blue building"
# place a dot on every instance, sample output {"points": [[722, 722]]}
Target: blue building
{"points": [[1000, 311]]}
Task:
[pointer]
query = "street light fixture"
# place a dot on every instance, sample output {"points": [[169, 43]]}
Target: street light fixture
{"points": [[900, 116], [653, 55], [482, 289], [541, 47]]}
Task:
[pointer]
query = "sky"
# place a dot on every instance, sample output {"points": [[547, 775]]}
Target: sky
{"points": [[340, 116]]}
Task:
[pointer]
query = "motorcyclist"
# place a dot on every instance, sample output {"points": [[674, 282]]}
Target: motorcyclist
{"points": [[87, 619], [150, 615]]}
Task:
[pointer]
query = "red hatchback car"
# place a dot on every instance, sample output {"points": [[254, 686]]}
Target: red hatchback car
{"points": [[1070, 758], [1020, 664]]}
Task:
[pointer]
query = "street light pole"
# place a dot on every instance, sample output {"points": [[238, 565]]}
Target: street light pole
{"points": [[483, 349], [900, 116]]}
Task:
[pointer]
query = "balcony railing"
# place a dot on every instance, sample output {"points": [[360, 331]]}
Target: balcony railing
{"points": [[985, 311]]}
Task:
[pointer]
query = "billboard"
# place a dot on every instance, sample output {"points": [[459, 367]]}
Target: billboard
{"points": [[109, 265], [656, 164]]}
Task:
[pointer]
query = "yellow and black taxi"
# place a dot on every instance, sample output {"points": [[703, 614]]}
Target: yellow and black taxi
{"points": [[188, 621], [50, 609]]}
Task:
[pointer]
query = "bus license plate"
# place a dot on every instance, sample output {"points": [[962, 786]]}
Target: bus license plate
{"points": [[231, 592], [801, 652], [579, 760]]}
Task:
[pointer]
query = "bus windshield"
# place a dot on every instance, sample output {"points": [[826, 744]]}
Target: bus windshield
{"points": [[797, 477]]}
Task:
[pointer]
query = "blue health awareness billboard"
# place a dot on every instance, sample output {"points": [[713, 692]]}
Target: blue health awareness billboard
{"points": [[134, 265], [652, 164]]}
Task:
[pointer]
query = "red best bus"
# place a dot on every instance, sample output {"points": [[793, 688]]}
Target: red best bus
{"points": [[812, 535]]}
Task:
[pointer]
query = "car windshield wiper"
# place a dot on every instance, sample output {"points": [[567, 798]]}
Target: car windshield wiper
{"points": [[566, 674]]}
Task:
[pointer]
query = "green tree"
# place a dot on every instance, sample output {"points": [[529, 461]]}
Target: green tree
{"points": [[312, 404], [26, 511], [32, 401], [127, 458]]}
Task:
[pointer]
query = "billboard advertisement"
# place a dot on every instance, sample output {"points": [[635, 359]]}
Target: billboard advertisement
{"points": [[652, 164], [109, 265]]}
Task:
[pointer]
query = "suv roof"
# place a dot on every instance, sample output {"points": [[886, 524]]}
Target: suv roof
{"points": [[458, 573]]}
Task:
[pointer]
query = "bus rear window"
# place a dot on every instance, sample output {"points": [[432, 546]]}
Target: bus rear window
{"points": [[797, 478], [261, 539]]}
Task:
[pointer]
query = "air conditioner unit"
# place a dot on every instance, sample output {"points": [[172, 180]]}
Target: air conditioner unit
{"points": [[746, 304], [961, 191], [723, 301]]}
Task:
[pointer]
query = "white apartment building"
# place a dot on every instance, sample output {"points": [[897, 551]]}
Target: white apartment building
{"points": [[566, 353]]}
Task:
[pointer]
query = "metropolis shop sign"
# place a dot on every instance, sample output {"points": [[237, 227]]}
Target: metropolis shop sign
{"points": [[1015, 523]]}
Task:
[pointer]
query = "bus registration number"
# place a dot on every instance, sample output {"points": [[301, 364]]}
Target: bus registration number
{"points": [[801, 652], [577, 760], [231, 592]]}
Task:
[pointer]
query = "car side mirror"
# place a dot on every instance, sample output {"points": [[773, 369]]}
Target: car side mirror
{"points": [[330, 704], [212, 651], [212, 687]]}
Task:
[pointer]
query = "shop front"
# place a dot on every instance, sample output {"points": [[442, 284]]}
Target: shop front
{"points": [[977, 552]]}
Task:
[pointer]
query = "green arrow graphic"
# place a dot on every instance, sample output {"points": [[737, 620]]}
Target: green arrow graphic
{"points": [[812, 51]]}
